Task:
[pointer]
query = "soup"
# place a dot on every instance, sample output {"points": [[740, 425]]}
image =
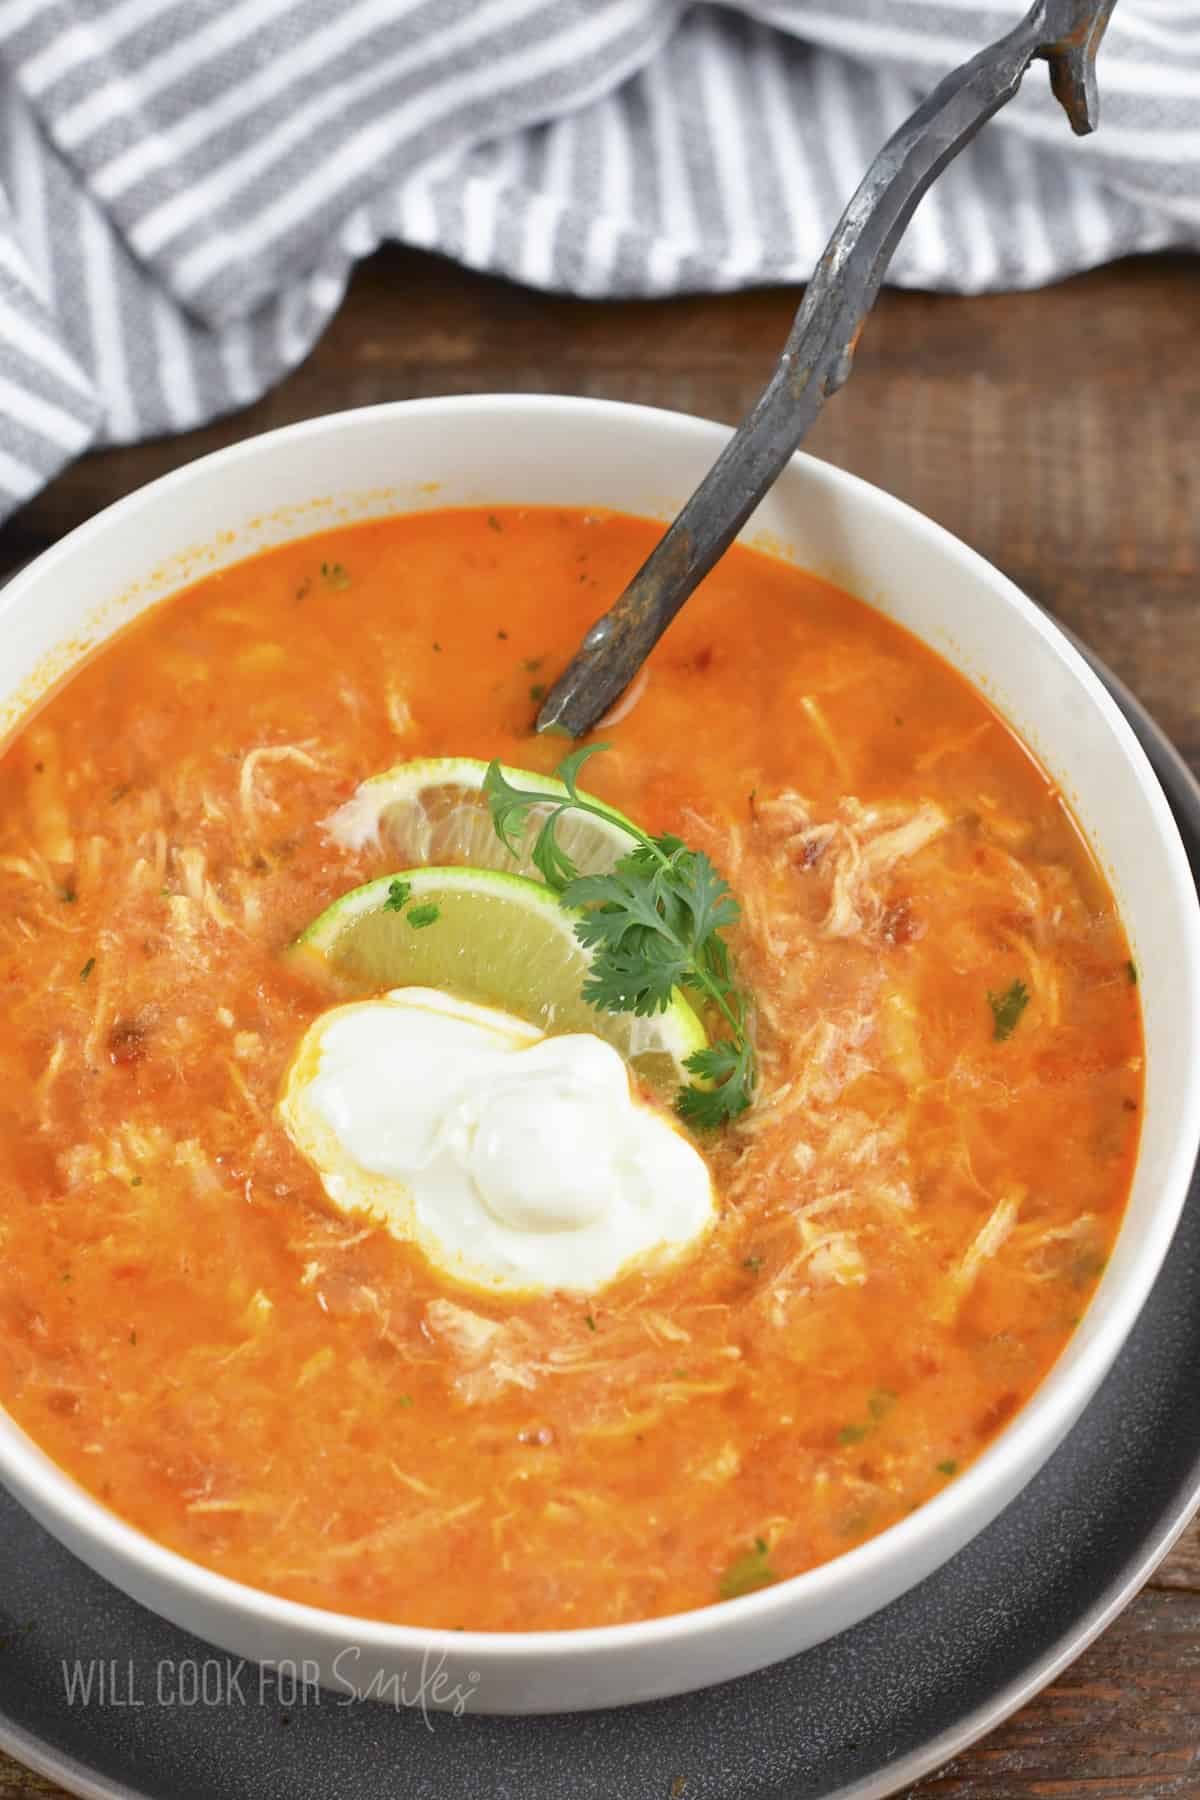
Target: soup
{"points": [[907, 1220]]}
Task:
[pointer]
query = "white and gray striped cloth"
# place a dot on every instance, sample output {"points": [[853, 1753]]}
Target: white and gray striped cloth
{"points": [[186, 184]]}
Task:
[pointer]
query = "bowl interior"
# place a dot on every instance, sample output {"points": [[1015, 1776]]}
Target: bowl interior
{"points": [[585, 453]]}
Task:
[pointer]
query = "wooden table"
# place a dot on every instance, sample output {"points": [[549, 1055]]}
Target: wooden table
{"points": [[1058, 433]]}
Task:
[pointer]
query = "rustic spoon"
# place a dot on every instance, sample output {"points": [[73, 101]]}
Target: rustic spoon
{"points": [[819, 351]]}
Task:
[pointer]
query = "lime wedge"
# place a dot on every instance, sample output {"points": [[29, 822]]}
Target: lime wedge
{"points": [[488, 937], [434, 811]]}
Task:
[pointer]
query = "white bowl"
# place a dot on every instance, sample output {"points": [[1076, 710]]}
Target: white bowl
{"points": [[590, 453]]}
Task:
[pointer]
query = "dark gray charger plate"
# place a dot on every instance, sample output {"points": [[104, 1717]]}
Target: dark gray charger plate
{"points": [[854, 1719]]}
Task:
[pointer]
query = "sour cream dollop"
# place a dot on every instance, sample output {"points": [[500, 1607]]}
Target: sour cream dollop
{"points": [[515, 1161]]}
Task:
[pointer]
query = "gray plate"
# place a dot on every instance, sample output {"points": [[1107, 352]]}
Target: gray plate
{"points": [[854, 1719]]}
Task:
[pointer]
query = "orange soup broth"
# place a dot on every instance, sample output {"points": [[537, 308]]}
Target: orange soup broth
{"points": [[913, 1215]]}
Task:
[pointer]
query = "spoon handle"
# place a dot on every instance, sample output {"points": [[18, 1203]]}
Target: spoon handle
{"points": [[819, 352]]}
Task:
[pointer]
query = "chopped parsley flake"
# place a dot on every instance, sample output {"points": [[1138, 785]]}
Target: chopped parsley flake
{"points": [[334, 575], [538, 691], [405, 1400], [397, 895], [949, 1467], [1007, 1009], [494, 523], [420, 916], [135, 1181], [1131, 969], [753, 1263], [87, 968], [750, 1571], [589, 1321], [852, 1434]]}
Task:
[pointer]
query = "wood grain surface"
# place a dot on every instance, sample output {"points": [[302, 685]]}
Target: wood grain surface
{"points": [[1056, 432]]}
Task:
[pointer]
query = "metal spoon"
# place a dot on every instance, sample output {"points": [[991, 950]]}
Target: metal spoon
{"points": [[819, 352]]}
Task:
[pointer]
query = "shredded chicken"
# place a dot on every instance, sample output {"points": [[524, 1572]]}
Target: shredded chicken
{"points": [[839, 1260], [399, 712], [255, 760], [720, 1468], [991, 1236], [46, 1080], [47, 799], [862, 859], [929, 759], [1042, 978], [492, 1356], [663, 1330], [197, 886], [31, 867], [820, 724]]}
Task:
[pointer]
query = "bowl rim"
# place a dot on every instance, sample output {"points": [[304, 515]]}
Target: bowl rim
{"points": [[1039, 1424]]}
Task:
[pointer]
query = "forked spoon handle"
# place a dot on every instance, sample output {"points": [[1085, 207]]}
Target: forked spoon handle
{"points": [[819, 351]]}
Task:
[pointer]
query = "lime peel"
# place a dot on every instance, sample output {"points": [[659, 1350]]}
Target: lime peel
{"points": [[434, 811], [498, 940]]}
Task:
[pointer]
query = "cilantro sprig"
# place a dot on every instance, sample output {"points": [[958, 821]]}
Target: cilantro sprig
{"points": [[653, 924]]}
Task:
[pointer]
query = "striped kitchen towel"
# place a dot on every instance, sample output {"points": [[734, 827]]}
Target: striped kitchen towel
{"points": [[186, 184]]}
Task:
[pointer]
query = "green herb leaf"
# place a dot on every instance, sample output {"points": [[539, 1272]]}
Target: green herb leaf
{"points": [[1131, 969], [568, 769], [852, 1434], [653, 924], [730, 1066], [751, 1570], [420, 916], [334, 575], [1007, 1009], [551, 860], [509, 806], [949, 1467], [87, 968], [397, 895]]}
